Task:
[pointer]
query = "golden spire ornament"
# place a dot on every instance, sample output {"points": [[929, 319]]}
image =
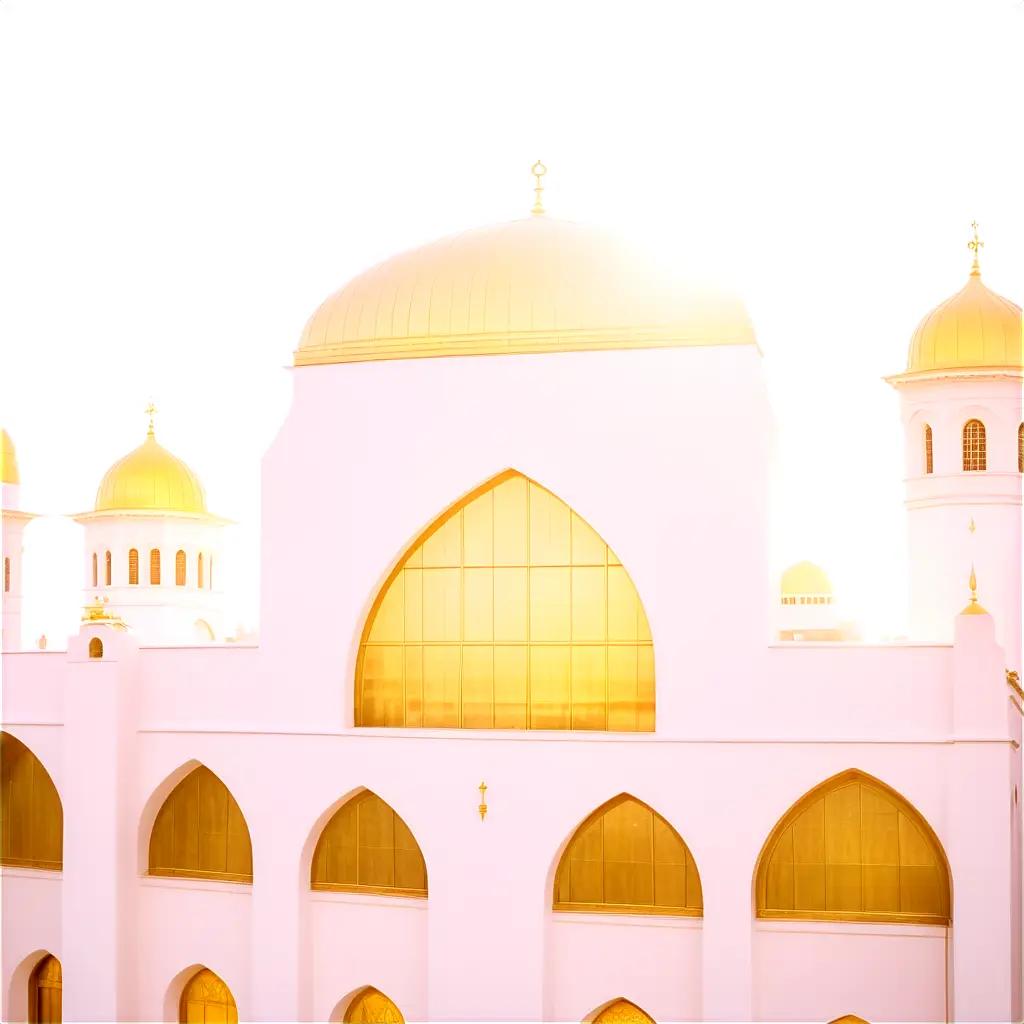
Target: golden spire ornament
{"points": [[150, 411], [975, 245], [538, 170], [973, 608]]}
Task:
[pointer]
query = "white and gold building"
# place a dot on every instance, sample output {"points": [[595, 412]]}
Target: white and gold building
{"points": [[516, 742]]}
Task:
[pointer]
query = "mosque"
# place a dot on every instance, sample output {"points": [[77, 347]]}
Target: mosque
{"points": [[529, 733]]}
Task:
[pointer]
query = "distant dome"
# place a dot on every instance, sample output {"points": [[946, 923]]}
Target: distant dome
{"points": [[150, 479], [805, 578], [974, 329], [8, 460], [533, 285]]}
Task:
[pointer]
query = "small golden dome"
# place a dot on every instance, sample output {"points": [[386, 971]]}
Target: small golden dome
{"points": [[150, 479], [8, 460], [974, 329], [805, 578], [532, 285]]}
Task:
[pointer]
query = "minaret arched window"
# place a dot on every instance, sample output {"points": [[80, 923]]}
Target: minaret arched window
{"points": [[133, 567], [179, 569], [95, 570], [974, 446], [108, 568], [1020, 448], [7, 575], [154, 566], [928, 465], [199, 576]]}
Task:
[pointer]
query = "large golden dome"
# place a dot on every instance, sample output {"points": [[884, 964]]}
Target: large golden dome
{"points": [[532, 285], [974, 329], [8, 460], [148, 479]]}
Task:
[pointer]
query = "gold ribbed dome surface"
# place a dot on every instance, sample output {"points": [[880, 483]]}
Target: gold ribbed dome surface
{"points": [[150, 478], [8, 460], [532, 285], [805, 578], [974, 329]]}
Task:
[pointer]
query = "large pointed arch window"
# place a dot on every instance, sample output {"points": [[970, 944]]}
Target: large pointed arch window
{"points": [[509, 612], [373, 1007], [206, 999], [199, 832], [31, 815], [928, 460], [627, 859], [975, 454], [853, 849], [367, 847], [622, 1011]]}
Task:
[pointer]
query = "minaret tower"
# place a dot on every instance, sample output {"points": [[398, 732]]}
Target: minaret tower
{"points": [[152, 550], [14, 523], [962, 419]]}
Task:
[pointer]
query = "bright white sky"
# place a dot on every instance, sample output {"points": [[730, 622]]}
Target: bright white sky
{"points": [[183, 182]]}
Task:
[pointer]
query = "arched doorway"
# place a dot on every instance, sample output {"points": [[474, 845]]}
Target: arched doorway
{"points": [[45, 992], [207, 1000]]}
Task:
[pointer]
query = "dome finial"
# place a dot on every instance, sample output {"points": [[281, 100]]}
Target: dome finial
{"points": [[150, 411], [538, 170], [973, 608], [975, 245]]}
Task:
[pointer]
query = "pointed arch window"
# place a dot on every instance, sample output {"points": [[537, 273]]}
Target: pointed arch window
{"points": [[199, 571], [1020, 448], [7, 575], [95, 569], [367, 847], [179, 569], [207, 1000], [853, 849], [622, 1011], [928, 464], [45, 992], [627, 859], [373, 1007], [154, 566], [109, 568], [31, 815], [133, 567], [95, 647], [508, 612], [200, 832], [975, 455]]}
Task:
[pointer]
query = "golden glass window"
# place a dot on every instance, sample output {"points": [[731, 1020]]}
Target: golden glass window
{"points": [[154, 566], [108, 568], [207, 1000], [7, 575], [849, 1018], [95, 647], [200, 832], [179, 569], [509, 612], [974, 446], [853, 849], [927, 449], [366, 847], [45, 991], [199, 574], [31, 815], [373, 1007], [1020, 448], [627, 859], [133, 566], [95, 570], [622, 1011]]}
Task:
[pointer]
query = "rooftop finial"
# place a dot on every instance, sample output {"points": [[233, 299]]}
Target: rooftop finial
{"points": [[150, 411], [975, 245], [973, 608], [538, 170]]}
